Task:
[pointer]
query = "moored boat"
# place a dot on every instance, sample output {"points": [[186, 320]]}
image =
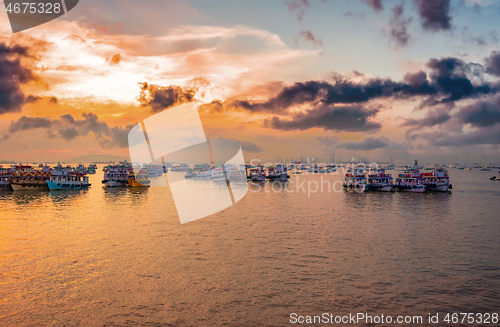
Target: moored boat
{"points": [[355, 181], [25, 178], [437, 180], [257, 174], [381, 181], [277, 173], [140, 179], [68, 181]]}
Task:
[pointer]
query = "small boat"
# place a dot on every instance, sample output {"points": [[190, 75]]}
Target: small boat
{"points": [[355, 181], [485, 169], [494, 178]]}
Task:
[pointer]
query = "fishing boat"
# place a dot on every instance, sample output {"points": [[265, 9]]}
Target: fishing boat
{"points": [[277, 173], [257, 174], [25, 178], [355, 181], [68, 181], [140, 179], [381, 181], [437, 180]]}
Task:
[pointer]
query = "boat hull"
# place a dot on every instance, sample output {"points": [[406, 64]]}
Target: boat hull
{"points": [[28, 187], [356, 188], [5, 186], [53, 186], [438, 188], [413, 189]]}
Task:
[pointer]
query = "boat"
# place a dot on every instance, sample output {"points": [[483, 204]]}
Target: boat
{"points": [[182, 167], [485, 169], [116, 176], [355, 181], [92, 169], [277, 173], [257, 174], [238, 172], [381, 182], [140, 179], [494, 178], [219, 173], [437, 180], [411, 181], [25, 178], [5, 177], [202, 171], [68, 181]]}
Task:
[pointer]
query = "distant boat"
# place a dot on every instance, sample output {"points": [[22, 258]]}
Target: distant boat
{"points": [[355, 181]]}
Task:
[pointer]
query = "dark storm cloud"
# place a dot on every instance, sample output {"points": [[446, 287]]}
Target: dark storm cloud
{"points": [[493, 63], [69, 128], [160, 98], [480, 114], [375, 4], [327, 140], [12, 75], [447, 82], [365, 145], [347, 118], [399, 26], [307, 35], [434, 14], [250, 147]]}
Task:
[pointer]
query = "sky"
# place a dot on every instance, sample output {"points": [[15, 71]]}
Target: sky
{"points": [[375, 79]]}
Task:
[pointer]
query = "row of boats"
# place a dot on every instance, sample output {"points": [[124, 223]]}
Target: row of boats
{"points": [[411, 180]]}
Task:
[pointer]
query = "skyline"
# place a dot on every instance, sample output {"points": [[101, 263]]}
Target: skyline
{"points": [[367, 78]]}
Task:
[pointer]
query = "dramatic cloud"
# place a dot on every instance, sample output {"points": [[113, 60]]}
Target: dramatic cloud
{"points": [[13, 73], [34, 98], [480, 114], [399, 27], [487, 135], [493, 63], [307, 35], [327, 140], [69, 128], [365, 145], [375, 4], [447, 82], [435, 14], [347, 118], [160, 98]]}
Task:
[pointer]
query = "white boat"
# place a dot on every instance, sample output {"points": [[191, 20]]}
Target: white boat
{"points": [[219, 174], [437, 180], [381, 182], [411, 181], [203, 171], [182, 167], [116, 176], [355, 181]]}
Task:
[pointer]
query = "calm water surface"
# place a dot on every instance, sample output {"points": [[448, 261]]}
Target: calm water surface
{"points": [[121, 257]]}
